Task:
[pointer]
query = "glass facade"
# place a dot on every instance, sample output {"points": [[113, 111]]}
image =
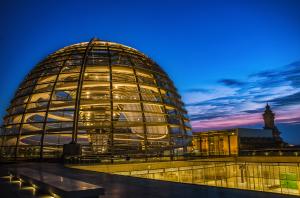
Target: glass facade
{"points": [[232, 142], [108, 97], [281, 177], [215, 143]]}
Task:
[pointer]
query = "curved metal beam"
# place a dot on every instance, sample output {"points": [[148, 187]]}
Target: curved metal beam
{"points": [[79, 89]]}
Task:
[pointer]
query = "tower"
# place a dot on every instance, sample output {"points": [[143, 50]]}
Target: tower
{"points": [[269, 119]]}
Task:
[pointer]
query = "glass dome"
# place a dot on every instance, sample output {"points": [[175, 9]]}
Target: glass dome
{"points": [[105, 96]]}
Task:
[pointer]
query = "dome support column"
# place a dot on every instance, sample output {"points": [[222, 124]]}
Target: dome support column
{"points": [[21, 125], [185, 136], [146, 143], [171, 144], [79, 90], [111, 134], [47, 110], [73, 148]]}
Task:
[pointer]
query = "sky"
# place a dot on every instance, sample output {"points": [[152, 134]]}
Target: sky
{"points": [[227, 58]]}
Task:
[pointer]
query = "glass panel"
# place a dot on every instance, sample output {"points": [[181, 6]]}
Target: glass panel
{"points": [[40, 97], [43, 87], [68, 69], [120, 77], [11, 129], [37, 106], [55, 116], [95, 94], [101, 77], [151, 117], [15, 119], [153, 108], [64, 95], [18, 109], [68, 77], [127, 106], [124, 70], [128, 116], [96, 69], [34, 117], [20, 100], [95, 116], [62, 105], [66, 86], [32, 127], [53, 126], [47, 79]]}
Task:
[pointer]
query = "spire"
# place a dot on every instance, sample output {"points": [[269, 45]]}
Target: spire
{"points": [[268, 106]]}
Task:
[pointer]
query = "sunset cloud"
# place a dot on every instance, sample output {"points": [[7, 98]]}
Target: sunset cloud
{"points": [[235, 103]]}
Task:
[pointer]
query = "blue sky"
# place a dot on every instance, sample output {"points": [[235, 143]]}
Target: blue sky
{"points": [[227, 58]]}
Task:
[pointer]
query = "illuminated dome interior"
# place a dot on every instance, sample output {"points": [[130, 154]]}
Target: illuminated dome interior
{"points": [[105, 96]]}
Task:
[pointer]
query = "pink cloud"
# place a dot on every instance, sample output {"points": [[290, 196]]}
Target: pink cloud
{"points": [[240, 120]]}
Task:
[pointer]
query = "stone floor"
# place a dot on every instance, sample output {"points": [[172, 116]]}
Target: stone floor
{"points": [[117, 186]]}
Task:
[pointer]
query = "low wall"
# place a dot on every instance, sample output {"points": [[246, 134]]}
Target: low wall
{"points": [[112, 168]]}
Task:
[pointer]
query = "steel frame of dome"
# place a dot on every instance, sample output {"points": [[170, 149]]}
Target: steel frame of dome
{"points": [[108, 97]]}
